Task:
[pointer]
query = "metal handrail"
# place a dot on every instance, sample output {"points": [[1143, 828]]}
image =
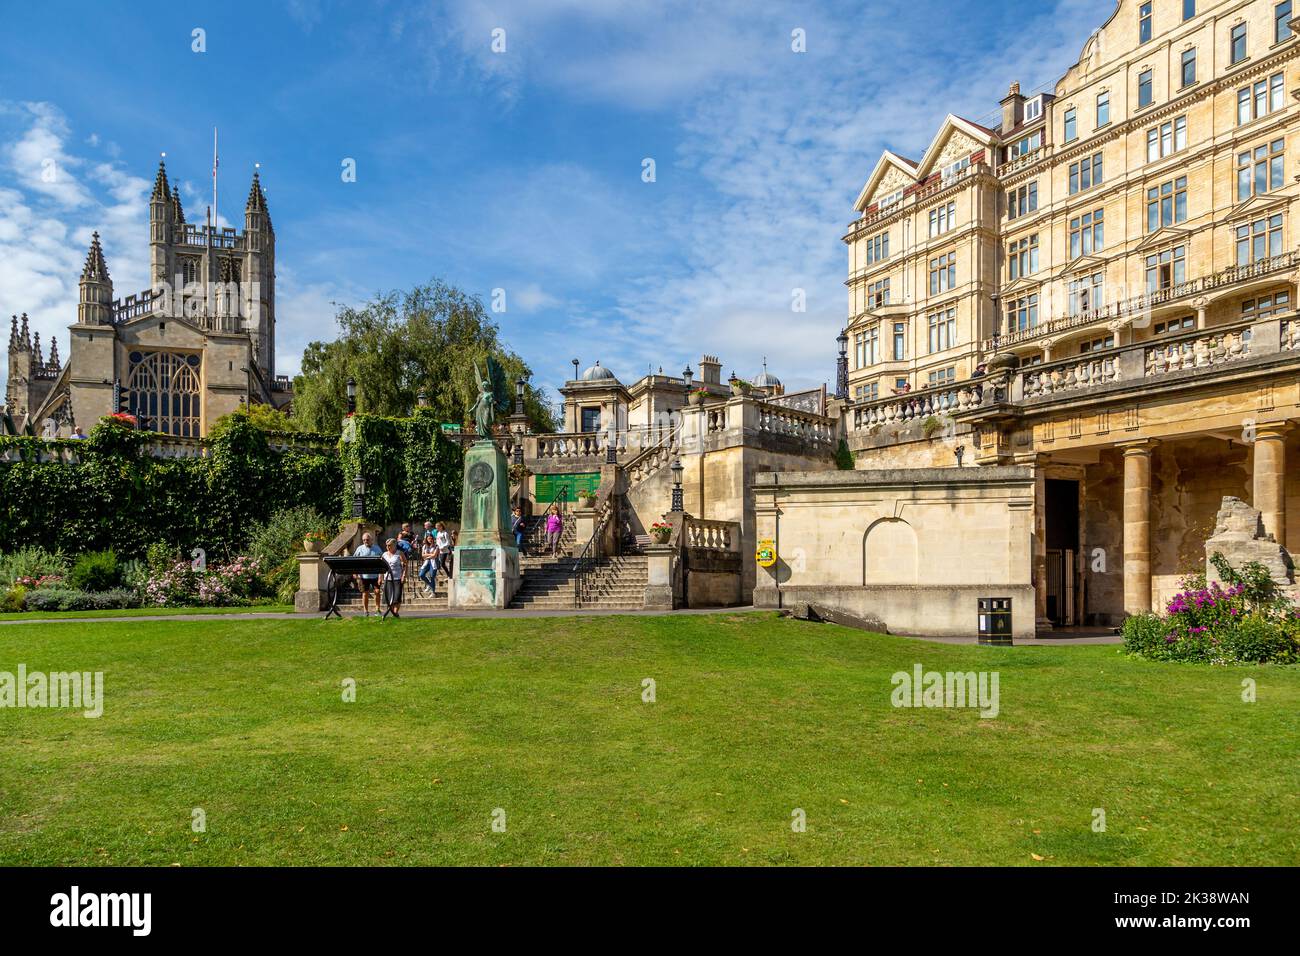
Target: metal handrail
{"points": [[585, 561]]}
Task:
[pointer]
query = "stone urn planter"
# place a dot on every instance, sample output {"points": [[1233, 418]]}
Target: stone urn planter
{"points": [[312, 545], [696, 398], [660, 534], [586, 501]]}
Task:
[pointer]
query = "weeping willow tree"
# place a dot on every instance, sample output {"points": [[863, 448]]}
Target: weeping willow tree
{"points": [[404, 344]]}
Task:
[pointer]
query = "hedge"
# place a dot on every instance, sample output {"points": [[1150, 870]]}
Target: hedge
{"points": [[412, 471], [111, 494]]}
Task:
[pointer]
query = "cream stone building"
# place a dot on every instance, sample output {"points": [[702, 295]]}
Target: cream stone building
{"points": [[197, 344], [1099, 292]]}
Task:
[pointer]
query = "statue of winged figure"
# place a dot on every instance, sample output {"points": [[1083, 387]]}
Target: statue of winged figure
{"points": [[493, 397]]}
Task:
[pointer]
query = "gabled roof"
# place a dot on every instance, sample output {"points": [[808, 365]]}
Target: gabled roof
{"points": [[953, 123], [887, 160]]}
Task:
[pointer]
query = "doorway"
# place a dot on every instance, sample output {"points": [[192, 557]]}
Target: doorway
{"points": [[1062, 513]]}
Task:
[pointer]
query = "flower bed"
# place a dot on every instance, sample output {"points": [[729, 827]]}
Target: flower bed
{"points": [[1246, 622]]}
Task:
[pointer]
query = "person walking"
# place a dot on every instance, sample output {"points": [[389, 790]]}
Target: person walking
{"points": [[519, 527], [554, 525], [429, 567], [393, 579], [368, 582], [443, 540]]}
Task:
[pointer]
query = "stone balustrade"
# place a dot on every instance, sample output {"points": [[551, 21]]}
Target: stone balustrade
{"points": [[711, 535], [810, 428], [1213, 348], [564, 445], [1291, 336], [914, 405], [1070, 376]]}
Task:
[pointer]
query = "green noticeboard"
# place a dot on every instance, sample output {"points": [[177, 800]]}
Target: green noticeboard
{"points": [[545, 487]]}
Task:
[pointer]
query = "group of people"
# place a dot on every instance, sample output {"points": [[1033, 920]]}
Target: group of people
{"points": [[434, 551], [554, 524]]}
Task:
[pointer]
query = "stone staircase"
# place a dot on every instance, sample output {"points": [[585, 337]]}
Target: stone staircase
{"points": [[414, 596], [614, 583]]}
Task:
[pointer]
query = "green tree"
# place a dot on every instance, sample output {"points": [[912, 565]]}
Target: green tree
{"points": [[401, 344]]}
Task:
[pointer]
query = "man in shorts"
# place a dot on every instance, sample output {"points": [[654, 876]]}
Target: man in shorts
{"points": [[369, 582]]}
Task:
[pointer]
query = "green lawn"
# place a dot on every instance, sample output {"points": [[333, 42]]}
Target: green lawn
{"points": [[144, 612], [755, 716]]}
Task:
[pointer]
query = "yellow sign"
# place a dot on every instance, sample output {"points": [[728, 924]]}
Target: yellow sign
{"points": [[766, 553]]}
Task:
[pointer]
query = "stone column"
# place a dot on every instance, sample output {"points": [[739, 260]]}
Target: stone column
{"points": [[1137, 527], [1269, 491]]}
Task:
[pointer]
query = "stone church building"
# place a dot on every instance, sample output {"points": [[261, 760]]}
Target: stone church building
{"points": [[197, 344]]}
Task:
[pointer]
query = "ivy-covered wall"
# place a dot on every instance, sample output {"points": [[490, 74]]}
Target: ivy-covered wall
{"points": [[114, 495], [412, 471]]}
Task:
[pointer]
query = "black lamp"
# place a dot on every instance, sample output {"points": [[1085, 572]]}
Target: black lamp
{"points": [[677, 470], [358, 497], [997, 323], [687, 376], [422, 399], [519, 395], [352, 394], [842, 366]]}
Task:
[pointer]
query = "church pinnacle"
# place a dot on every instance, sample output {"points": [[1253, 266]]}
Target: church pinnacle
{"points": [[95, 268], [160, 190]]}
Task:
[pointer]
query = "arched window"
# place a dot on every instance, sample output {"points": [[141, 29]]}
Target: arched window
{"points": [[163, 392]]}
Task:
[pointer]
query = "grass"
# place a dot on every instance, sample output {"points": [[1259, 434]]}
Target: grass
{"points": [[754, 717], [144, 612]]}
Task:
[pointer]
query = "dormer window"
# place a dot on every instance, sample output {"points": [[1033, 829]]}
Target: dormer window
{"points": [[1033, 109], [956, 169], [891, 199]]}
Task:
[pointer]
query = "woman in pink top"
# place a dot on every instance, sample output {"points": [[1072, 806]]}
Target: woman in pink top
{"points": [[553, 525]]}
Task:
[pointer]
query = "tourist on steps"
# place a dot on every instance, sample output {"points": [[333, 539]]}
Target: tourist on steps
{"points": [[519, 526], [393, 580], [443, 541], [554, 524], [429, 569], [368, 582]]}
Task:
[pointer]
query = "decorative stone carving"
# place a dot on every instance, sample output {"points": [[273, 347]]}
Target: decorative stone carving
{"points": [[1240, 537]]}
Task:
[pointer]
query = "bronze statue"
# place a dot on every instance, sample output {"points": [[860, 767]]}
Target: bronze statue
{"points": [[493, 397]]}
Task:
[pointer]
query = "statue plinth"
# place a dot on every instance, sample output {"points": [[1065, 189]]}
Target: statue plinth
{"points": [[487, 561]]}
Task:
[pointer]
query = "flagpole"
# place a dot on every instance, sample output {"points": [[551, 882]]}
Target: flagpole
{"points": [[215, 213]]}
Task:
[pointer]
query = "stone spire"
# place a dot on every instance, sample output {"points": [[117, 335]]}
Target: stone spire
{"points": [[26, 336], [160, 191], [256, 206], [13, 333], [95, 268], [54, 363], [36, 348], [176, 205]]}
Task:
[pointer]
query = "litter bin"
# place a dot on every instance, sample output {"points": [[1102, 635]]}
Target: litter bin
{"points": [[994, 621]]}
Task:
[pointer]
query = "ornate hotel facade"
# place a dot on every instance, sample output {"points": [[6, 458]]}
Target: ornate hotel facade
{"points": [[1096, 297], [195, 345]]}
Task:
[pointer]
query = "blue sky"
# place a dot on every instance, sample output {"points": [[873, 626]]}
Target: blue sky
{"points": [[519, 170]]}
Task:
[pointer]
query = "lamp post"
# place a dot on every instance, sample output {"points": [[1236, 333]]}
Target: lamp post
{"points": [[997, 323], [842, 366], [359, 497], [575, 369], [352, 394], [687, 377], [519, 396], [677, 470], [518, 451], [422, 399]]}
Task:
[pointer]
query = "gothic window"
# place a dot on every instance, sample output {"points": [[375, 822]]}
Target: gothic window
{"points": [[163, 392], [189, 269]]}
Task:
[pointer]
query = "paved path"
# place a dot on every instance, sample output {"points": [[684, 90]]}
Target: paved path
{"points": [[1050, 639]]}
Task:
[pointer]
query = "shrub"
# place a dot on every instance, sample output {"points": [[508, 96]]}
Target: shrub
{"points": [[275, 544], [843, 456], [14, 600], [70, 599], [1249, 622], [95, 571], [32, 562]]}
